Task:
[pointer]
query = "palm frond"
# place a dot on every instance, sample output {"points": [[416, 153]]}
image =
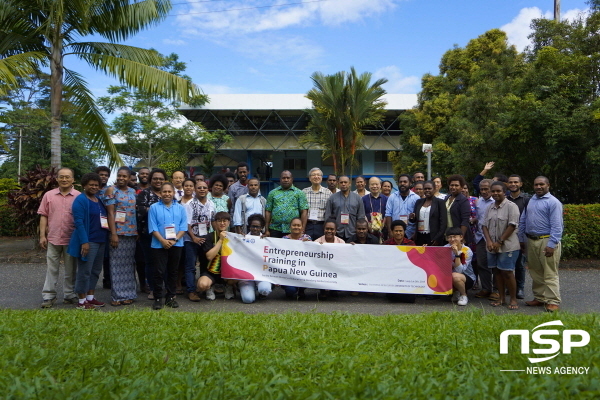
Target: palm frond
{"points": [[128, 65], [18, 66], [90, 116]]}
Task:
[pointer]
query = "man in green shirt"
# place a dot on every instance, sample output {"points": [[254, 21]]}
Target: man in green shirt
{"points": [[285, 203]]}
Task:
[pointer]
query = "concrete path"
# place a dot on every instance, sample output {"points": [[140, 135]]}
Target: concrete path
{"points": [[21, 286]]}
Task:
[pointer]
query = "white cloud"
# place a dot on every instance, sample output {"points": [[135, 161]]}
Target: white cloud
{"points": [[519, 28], [397, 82], [174, 42], [252, 16], [273, 48]]}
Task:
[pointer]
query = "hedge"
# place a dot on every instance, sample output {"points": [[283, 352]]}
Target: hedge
{"points": [[9, 226], [581, 238]]}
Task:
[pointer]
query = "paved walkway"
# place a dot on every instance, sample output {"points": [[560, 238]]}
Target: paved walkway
{"points": [[21, 286]]}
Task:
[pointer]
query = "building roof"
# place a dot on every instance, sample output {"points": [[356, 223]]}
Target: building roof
{"points": [[285, 102]]}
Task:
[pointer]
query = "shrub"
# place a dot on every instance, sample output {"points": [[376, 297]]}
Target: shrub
{"points": [[581, 237], [26, 200], [6, 185], [9, 226]]}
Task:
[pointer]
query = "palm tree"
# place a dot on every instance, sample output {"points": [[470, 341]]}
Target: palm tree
{"points": [[343, 104], [52, 28]]}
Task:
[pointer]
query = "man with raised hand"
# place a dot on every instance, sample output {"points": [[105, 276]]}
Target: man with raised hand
{"points": [[345, 207], [238, 188], [542, 225], [316, 196], [485, 274], [400, 205], [56, 227]]}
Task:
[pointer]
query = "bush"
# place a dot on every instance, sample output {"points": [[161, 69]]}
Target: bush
{"points": [[9, 226], [581, 237]]}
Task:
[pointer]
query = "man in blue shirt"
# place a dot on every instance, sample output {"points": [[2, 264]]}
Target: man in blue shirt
{"points": [[401, 204], [541, 224]]}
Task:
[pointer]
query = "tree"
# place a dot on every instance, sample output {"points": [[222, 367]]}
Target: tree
{"points": [[343, 105], [534, 113], [52, 28], [26, 109], [151, 128]]}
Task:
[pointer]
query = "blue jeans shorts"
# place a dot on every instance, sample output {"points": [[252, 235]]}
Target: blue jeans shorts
{"points": [[503, 261]]}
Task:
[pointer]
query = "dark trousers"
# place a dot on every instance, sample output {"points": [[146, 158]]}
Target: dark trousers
{"points": [[145, 242], [106, 266], [140, 264], [315, 229], [485, 274], [276, 234], [520, 272], [422, 238], [165, 261]]}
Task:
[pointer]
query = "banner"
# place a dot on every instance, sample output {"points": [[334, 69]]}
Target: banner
{"points": [[360, 268]]}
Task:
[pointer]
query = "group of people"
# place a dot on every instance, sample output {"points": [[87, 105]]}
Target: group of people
{"points": [[170, 230]]}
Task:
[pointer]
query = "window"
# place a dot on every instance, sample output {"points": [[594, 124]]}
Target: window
{"points": [[382, 165], [294, 163]]}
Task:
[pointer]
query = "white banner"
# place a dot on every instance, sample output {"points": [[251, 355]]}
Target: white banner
{"points": [[360, 268]]}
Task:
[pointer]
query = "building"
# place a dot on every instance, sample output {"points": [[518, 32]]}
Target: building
{"points": [[265, 129]]}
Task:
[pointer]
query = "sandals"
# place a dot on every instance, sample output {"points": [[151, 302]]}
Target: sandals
{"points": [[127, 302], [115, 303], [496, 303], [513, 306]]}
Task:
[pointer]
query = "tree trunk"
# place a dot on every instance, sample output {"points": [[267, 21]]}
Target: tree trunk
{"points": [[56, 89]]}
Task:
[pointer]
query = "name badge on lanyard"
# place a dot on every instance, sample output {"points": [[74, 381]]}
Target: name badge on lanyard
{"points": [[202, 231], [345, 220], [421, 225], [120, 216], [103, 221], [313, 214], [170, 233], [404, 218]]}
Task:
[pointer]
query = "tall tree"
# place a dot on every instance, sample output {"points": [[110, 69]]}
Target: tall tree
{"points": [[343, 105], [53, 27], [26, 109], [151, 127]]}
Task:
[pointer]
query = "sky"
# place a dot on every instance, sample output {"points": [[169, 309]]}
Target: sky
{"points": [[273, 46]]}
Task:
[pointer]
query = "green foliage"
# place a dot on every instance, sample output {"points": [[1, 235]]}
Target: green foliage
{"points": [[343, 105], [131, 355], [151, 128], [533, 113], [9, 225], [6, 185], [26, 201], [44, 32], [27, 110], [581, 237]]}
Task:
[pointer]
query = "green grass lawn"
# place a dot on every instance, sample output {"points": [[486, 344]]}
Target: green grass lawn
{"points": [[57, 354]]}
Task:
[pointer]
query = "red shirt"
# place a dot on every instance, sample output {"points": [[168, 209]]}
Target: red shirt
{"points": [[405, 242], [57, 208]]}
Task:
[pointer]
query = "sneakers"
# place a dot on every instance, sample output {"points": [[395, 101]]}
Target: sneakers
{"points": [[462, 300], [96, 303], [157, 304], [193, 296], [229, 294], [520, 294], [71, 300], [86, 305], [210, 294], [171, 303], [48, 303]]}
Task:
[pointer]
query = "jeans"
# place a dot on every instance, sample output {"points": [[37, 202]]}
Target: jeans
{"points": [[53, 256], [315, 229], [247, 290], [191, 250], [88, 271], [165, 260], [485, 274], [520, 272], [291, 291]]}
